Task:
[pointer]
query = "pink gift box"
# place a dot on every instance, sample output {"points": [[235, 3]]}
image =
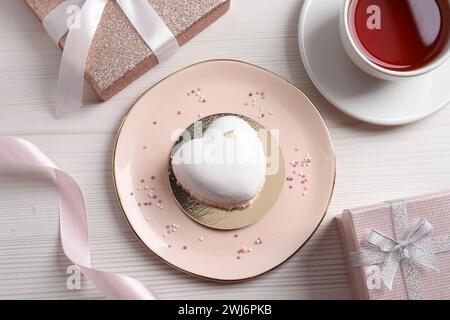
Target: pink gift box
{"points": [[118, 55], [355, 226]]}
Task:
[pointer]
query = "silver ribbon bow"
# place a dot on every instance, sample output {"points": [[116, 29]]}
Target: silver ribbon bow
{"points": [[410, 250]]}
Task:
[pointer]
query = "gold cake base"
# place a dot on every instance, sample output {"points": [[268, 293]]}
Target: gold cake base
{"points": [[222, 219]]}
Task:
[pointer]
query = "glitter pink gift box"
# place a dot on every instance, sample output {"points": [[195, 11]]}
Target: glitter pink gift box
{"points": [[356, 224], [118, 55]]}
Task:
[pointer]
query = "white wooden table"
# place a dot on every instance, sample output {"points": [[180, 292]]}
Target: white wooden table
{"points": [[373, 163]]}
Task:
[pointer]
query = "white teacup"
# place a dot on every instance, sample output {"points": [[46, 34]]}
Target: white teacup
{"points": [[363, 62]]}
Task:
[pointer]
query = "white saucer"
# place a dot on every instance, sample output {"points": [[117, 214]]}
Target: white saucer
{"points": [[351, 90]]}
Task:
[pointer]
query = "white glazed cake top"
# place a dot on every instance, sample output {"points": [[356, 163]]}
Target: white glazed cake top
{"points": [[225, 168]]}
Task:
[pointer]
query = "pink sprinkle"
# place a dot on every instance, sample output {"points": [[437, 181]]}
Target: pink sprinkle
{"points": [[144, 147], [243, 250]]}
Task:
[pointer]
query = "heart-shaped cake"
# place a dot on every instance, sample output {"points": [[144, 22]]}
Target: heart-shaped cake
{"points": [[226, 168]]}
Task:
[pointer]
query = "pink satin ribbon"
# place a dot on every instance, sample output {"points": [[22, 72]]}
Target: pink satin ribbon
{"points": [[144, 18], [73, 221]]}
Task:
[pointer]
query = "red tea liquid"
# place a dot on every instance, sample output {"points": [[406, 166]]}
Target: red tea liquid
{"points": [[400, 35]]}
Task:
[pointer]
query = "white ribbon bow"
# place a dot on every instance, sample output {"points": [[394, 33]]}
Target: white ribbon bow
{"points": [[411, 250], [79, 39]]}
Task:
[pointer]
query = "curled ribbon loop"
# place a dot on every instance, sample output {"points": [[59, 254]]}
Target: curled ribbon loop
{"points": [[73, 221], [411, 249], [140, 13]]}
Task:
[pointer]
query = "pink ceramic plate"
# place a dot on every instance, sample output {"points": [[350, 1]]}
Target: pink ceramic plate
{"points": [[141, 157]]}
